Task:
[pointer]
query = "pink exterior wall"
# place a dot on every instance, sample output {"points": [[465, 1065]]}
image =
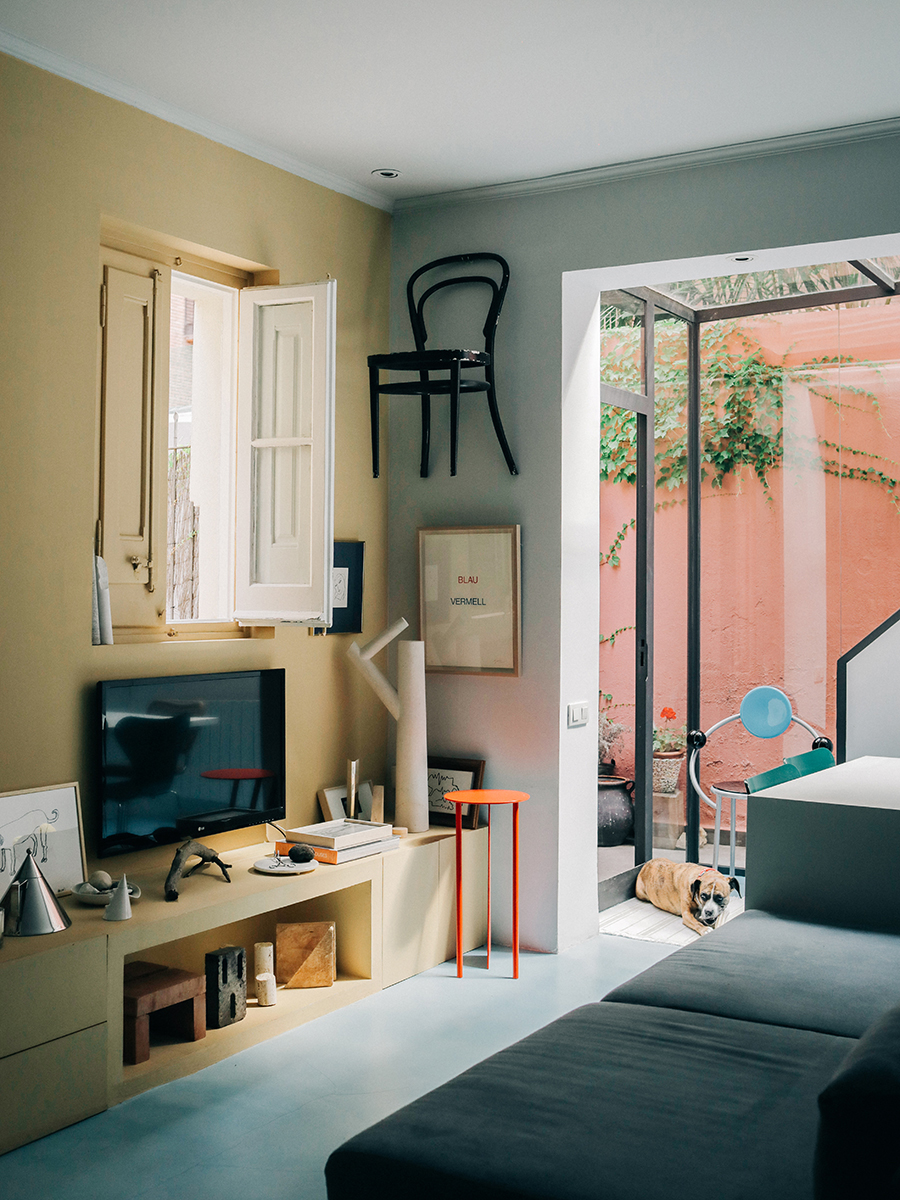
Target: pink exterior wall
{"points": [[792, 579]]}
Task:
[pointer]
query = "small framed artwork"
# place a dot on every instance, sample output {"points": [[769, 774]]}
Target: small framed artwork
{"points": [[469, 599], [453, 775], [346, 588], [333, 801], [46, 821]]}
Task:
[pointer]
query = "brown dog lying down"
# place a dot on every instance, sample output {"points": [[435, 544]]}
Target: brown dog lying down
{"points": [[698, 893]]}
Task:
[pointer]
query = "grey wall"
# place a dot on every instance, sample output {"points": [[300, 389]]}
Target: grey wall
{"points": [[873, 698], [518, 726]]}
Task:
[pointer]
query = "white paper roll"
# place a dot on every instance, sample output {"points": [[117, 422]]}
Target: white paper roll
{"points": [[265, 988], [263, 958], [411, 804], [104, 612]]}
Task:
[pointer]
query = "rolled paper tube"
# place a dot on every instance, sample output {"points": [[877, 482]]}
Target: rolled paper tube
{"points": [[263, 958], [352, 774], [265, 987], [411, 801], [378, 802]]}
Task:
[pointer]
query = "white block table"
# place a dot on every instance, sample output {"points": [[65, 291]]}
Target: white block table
{"points": [[825, 847]]}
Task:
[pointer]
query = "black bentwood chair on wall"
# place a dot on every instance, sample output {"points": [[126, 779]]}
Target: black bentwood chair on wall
{"points": [[424, 361]]}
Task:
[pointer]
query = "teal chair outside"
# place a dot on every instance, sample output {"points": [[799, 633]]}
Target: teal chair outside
{"points": [[766, 713], [767, 779], [810, 762]]}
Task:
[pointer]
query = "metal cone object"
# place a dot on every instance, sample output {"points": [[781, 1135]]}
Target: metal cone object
{"points": [[31, 908], [119, 907]]}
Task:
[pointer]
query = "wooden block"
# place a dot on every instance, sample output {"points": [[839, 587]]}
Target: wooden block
{"points": [[305, 954], [150, 987]]}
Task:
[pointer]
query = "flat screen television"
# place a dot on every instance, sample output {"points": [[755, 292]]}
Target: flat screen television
{"points": [[188, 756]]}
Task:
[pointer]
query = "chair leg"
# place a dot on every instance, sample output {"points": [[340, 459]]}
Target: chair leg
{"points": [[426, 428], [718, 829], [454, 416], [498, 426], [374, 413]]}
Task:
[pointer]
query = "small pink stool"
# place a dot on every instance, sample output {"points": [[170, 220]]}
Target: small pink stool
{"points": [[487, 796]]}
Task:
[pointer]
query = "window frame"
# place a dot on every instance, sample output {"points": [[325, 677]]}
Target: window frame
{"points": [[128, 248]]}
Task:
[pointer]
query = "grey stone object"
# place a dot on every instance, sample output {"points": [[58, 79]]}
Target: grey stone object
{"points": [[226, 986]]}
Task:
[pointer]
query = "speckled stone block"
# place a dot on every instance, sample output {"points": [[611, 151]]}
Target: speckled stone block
{"points": [[226, 986]]}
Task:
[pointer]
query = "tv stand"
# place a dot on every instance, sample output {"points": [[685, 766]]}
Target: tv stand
{"points": [[62, 1034]]}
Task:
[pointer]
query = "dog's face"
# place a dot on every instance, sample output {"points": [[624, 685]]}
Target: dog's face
{"points": [[710, 895]]}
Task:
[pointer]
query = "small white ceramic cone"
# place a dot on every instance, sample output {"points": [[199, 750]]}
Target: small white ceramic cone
{"points": [[119, 908]]}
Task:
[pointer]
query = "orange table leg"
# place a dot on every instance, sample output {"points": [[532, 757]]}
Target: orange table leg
{"points": [[488, 964], [459, 902], [515, 897]]}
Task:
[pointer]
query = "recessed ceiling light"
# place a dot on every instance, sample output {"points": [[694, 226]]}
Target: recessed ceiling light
{"points": [[742, 258], [386, 172]]}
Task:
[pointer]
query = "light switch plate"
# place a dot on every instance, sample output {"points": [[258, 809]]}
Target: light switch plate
{"points": [[578, 715]]}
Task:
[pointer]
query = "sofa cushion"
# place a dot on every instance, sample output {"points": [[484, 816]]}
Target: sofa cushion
{"points": [[759, 967], [858, 1149], [612, 1101]]}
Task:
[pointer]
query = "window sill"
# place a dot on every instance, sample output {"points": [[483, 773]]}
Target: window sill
{"points": [[191, 631]]}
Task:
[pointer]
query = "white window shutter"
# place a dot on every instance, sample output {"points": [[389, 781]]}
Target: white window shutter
{"points": [[285, 454]]}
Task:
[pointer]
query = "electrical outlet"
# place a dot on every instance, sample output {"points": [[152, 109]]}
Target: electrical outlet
{"points": [[578, 715]]}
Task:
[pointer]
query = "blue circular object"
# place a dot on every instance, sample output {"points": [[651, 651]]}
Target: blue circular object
{"points": [[765, 712]]}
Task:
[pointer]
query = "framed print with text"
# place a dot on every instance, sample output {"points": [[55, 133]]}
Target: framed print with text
{"points": [[469, 599]]}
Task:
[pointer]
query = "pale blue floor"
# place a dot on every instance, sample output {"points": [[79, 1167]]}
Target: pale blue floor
{"points": [[261, 1124]]}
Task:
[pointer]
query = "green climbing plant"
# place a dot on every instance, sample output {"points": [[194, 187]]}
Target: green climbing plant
{"points": [[742, 410]]}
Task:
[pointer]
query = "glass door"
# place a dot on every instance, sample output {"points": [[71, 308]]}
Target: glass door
{"points": [[626, 591]]}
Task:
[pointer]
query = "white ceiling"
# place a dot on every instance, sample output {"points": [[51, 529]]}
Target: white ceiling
{"points": [[463, 93]]}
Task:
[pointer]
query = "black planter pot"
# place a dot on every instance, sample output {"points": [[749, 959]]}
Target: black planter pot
{"points": [[606, 768], [615, 811]]}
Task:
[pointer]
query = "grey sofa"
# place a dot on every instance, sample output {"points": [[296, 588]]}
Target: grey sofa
{"points": [[761, 1063]]}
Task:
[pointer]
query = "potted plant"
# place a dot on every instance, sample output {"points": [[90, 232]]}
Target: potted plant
{"points": [[668, 751]]}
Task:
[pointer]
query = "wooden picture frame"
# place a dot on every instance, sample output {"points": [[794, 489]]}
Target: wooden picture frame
{"points": [[470, 598], [453, 775], [47, 821]]}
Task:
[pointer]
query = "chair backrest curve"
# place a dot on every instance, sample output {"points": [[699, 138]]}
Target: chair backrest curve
{"points": [[498, 292]]}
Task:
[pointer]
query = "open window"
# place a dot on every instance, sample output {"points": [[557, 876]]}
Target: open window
{"points": [[216, 450]]}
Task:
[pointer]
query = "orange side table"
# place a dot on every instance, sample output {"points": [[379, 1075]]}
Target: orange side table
{"points": [[488, 796]]}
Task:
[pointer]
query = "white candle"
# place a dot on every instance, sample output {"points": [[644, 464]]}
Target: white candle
{"points": [[265, 988], [263, 958]]}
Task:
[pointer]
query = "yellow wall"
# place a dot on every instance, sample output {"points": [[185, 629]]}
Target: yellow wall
{"points": [[70, 156]]}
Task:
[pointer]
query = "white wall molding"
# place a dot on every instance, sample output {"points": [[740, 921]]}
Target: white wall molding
{"points": [[592, 176], [96, 81]]}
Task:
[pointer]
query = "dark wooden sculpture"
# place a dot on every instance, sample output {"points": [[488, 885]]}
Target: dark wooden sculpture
{"points": [[177, 871]]}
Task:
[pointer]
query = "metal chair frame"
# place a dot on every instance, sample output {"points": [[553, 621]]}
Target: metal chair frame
{"points": [[423, 361], [733, 796]]}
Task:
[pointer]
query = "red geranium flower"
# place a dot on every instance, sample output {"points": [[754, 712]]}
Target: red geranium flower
{"points": [[668, 714]]}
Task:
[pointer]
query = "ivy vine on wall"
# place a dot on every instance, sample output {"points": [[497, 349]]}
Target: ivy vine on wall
{"points": [[741, 406]]}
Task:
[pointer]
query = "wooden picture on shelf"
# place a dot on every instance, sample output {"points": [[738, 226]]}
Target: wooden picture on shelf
{"points": [[469, 599], [453, 775]]}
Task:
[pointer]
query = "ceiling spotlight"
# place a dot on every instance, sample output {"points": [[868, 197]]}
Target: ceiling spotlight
{"points": [[742, 258], [386, 172]]}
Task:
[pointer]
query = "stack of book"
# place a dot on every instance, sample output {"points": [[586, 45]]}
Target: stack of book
{"points": [[341, 841]]}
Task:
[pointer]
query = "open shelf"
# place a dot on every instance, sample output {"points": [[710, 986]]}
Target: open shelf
{"points": [[171, 1059]]}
